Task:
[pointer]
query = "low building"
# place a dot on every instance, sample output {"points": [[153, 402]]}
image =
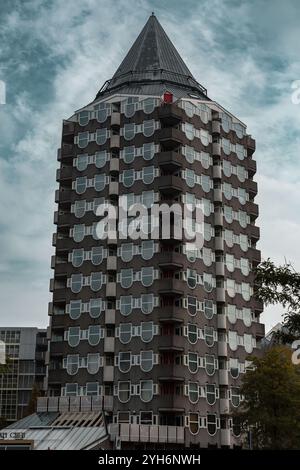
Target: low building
{"points": [[25, 350]]}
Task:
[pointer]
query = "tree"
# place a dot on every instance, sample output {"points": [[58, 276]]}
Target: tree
{"points": [[271, 405], [280, 284]]}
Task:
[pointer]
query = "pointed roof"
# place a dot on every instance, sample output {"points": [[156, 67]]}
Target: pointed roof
{"points": [[152, 59]]}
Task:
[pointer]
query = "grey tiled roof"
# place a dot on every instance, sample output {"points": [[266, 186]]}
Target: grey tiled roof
{"points": [[152, 59]]}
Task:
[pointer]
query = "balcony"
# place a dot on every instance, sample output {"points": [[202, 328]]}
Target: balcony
{"points": [[252, 167], [221, 321], [169, 161], [259, 330], [64, 173], [172, 287], [224, 406], [110, 317], [112, 263], [170, 260], [216, 149], [225, 437], [222, 348], [63, 196], [221, 294], [172, 342], [113, 188], [218, 218], [108, 373], [115, 120], [217, 172], [170, 185], [66, 152], [173, 403], [170, 314], [114, 165], [111, 289], [252, 187], [223, 377], [215, 127], [115, 142], [56, 376], [218, 197], [171, 137], [61, 218], [109, 344], [252, 209], [151, 433], [251, 145], [219, 244], [170, 114], [172, 373], [220, 268], [254, 255], [254, 232]]}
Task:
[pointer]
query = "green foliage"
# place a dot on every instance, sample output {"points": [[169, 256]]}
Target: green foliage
{"points": [[271, 406]]}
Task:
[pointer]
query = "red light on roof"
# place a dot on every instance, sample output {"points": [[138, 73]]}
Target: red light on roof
{"points": [[168, 97]]}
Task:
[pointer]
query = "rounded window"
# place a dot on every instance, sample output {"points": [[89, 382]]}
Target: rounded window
{"points": [[204, 137], [95, 308], [230, 262], [148, 128], [232, 340], [226, 123], [211, 394], [125, 332], [75, 309], [208, 282], [208, 309], [124, 361], [228, 214], [209, 336], [82, 162], [148, 151], [243, 219], [83, 139], [231, 313], [100, 182], [84, 117], [127, 252], [124, 391], [101, 136], [190, 154], [192, 305], [234, 368], [189, 131], [192, 362], [79, 208], [126, 278], [80, 185], [227, 168], [147, 331], [241, 173], [128, 154], [147, 303], [97, 255], [239, 149], [93, 363], [226, 146], [193, 392], [191, 278], [190, 178], [205, 182], [129, 131], [77, 257], [76, 283], [96, 281], [94, 334], [235, 397], [128, 178], [146, 390], [100, 159], [192, 333], [148, 105], [130, 107], [194, 423], [147, 276], [126, 305], [102, 112], [148, 174], [210, 365], [146, 361], [147, 249], [74, 336], [247, 318], [211, 424], [72, 364]]}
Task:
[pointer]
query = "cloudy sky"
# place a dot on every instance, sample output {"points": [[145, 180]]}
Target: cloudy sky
{"points": [[54, 56]]}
